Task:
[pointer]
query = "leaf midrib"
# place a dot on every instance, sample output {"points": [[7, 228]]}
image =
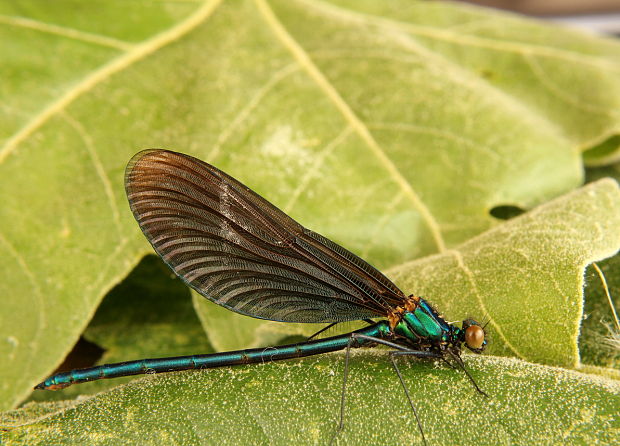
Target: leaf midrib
{"points": [[137, 53], [302, 57]]}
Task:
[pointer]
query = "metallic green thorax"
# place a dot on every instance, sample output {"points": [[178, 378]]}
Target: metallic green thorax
{"points": [[425, 324]]}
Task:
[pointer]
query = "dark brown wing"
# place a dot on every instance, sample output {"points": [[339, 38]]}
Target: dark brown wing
{"points": [[237, 249]]}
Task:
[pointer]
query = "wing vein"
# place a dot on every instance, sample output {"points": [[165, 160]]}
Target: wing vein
{"points": [[241, 252]]}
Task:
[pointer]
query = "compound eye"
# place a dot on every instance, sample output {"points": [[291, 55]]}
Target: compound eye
{"points": [[474, 337]]}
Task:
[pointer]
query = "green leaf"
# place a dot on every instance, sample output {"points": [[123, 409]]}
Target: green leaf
{"points": [[297, 402], [393, 129], [532, 297], [149, 314]]}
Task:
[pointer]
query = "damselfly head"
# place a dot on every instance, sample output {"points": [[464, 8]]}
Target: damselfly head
{"points": [[473, 336]]}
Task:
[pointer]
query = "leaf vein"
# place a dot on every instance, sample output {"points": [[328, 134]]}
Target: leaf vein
{"points": [[302, 57], [96, 161], [71, 33], [41, 324], [138, 52], [563, 95], [318, 162], [442, 133], [385, 217], [277, 77], [445, 67], [465, 40], [470, 277]]}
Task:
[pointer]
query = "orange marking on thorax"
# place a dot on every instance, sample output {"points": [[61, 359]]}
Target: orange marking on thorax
{"points": [[396, 315]]}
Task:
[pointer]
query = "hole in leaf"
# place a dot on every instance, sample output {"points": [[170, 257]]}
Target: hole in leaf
{"points": [[595, 173], [603, 149], [487, 74], [506, 211]]}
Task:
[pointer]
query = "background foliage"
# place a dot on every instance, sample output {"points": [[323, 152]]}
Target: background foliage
{"points": [[405, 131]]}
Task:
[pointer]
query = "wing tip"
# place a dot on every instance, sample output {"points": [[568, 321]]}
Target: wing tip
{"points": [[137, 158]]}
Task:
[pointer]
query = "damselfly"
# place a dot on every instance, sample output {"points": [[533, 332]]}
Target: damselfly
{"points": [[238, 250]]}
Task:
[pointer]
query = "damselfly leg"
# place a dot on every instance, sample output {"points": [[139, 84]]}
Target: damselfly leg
{"points": [[400, 350]]}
